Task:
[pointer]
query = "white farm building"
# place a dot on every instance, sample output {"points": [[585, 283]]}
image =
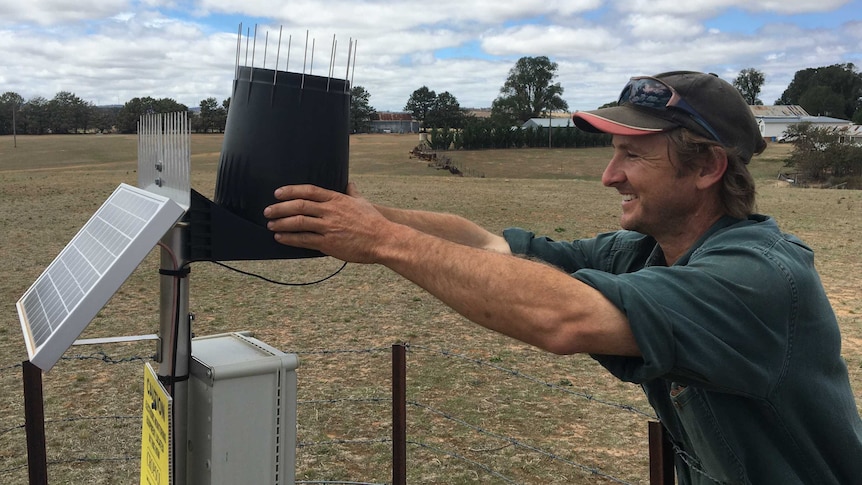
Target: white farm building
{"points": [[555, 122], [774, 120]]}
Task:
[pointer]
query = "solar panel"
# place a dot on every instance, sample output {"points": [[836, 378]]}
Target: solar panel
{"points": [[90, 269]]}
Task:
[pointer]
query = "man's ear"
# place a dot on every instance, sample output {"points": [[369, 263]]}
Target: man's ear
{"points": [[713, 168]]}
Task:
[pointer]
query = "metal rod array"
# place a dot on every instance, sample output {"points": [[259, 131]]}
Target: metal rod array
{"points": [[164, 152], [307, 60]]}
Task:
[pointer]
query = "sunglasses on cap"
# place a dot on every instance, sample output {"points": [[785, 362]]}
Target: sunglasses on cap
{"points": [[650, 92]]}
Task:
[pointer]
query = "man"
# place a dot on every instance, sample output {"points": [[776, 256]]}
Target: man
{"points": [[719, 316]]}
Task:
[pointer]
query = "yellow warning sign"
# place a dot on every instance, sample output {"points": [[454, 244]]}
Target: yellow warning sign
{"points": [[156, 448]]}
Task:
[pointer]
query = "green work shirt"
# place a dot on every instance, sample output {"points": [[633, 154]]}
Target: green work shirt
{"points": [[741, 352]]}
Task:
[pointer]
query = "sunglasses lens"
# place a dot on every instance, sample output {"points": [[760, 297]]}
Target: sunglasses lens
{"points": [[645, 92], [652, 93]]}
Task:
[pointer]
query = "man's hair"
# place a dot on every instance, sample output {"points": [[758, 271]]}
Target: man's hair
{"points": [[737, 191]]}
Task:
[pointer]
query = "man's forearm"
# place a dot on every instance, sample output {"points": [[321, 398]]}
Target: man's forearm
{"points": [[548, 308], [447, 226]]}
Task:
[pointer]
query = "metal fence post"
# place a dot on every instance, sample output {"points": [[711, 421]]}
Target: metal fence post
{"points": [[660, 456], [399, 415], [34, 424]]}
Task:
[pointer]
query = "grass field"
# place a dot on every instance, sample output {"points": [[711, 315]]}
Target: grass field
{"points": [[51, 185]]}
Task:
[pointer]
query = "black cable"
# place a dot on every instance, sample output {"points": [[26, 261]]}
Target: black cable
{"points": [[179, 282], [282, 283], [173, 376]]}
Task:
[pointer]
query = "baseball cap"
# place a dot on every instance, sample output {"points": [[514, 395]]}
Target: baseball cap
{"points": [[702, 103]]}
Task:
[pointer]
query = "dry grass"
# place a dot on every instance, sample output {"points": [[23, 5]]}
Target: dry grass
{"points": [[49, 186]]}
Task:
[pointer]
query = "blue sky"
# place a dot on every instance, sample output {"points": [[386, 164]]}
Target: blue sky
{"points": [[109, 51]]}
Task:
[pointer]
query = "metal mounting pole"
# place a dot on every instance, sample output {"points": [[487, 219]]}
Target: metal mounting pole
{"points": [[175, 333], [661, 470], [399, 414], [14, 128], [34, 424]]}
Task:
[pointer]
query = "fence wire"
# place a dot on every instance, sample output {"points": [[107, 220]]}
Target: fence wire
{"points": [[510, 441]]}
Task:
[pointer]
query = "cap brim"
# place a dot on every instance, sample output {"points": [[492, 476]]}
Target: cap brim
{"points": [[621, 120]]}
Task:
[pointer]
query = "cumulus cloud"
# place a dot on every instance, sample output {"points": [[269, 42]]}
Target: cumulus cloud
{"points": [[55, 12], [113, 50], [384, 14], [662, 26], [550, 40], [707, 8]]}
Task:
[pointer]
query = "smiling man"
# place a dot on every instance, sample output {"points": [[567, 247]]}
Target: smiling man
{"points": [[717, 314]]}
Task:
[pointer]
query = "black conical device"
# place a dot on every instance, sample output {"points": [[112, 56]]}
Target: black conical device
{"points": [[283, 128]]}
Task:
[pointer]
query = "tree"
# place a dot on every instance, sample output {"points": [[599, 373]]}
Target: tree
{"points": [[35, 116], [420, 103], [822, 101], [528, 91], [212, 117], [748, 83], [361, 111], [820, 156], [131, 112], [106, 118], [127, 119], [69, 113], [840, 79], [9, 101], [446, 112]]}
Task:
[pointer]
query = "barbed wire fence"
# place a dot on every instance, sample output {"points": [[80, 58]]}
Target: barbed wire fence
{"points": [[13, 462]]}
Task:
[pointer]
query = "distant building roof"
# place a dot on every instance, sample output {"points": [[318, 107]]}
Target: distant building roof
{"points": [[781, 116], [803, 119], [390, 116], [543, 122], [778, 111], [479, 112]]}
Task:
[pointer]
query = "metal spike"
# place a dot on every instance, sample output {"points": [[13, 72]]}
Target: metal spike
{"points": [[302, 82], [265, 46]]}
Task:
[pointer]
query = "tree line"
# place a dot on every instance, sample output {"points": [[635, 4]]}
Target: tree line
{"points": [[67, 113], [479, 133], [529, 91]]}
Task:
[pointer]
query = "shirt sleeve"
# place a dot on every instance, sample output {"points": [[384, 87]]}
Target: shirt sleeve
{"points": [[613, 252], [722, 320], [708, 323]]}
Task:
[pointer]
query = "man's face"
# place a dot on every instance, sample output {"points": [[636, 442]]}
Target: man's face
{"points": [[656, 199]]}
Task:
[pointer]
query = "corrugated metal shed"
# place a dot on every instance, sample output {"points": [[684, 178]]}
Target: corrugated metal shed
{"points": [[390, 116], [851, 134], [393, 122], [774, 120], [543, 122], [779, 111]]}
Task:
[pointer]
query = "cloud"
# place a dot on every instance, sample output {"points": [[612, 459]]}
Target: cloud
{"points": [[708, 8], [792, 7], [662, 26], [55, 12], [374, 15], [110, 50], [549, 40]]}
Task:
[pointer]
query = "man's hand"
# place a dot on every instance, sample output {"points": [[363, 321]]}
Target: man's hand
{"points": [[345, 226]]}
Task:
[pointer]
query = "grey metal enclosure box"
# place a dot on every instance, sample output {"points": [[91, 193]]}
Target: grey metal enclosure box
{"points": [[241, 412]]}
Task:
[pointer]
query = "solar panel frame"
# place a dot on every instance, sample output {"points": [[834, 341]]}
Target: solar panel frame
{"points": [[78, 283]]}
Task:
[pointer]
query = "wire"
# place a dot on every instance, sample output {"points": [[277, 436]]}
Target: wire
{"points": [[175, 328], [282, 283], [175, 312]]}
